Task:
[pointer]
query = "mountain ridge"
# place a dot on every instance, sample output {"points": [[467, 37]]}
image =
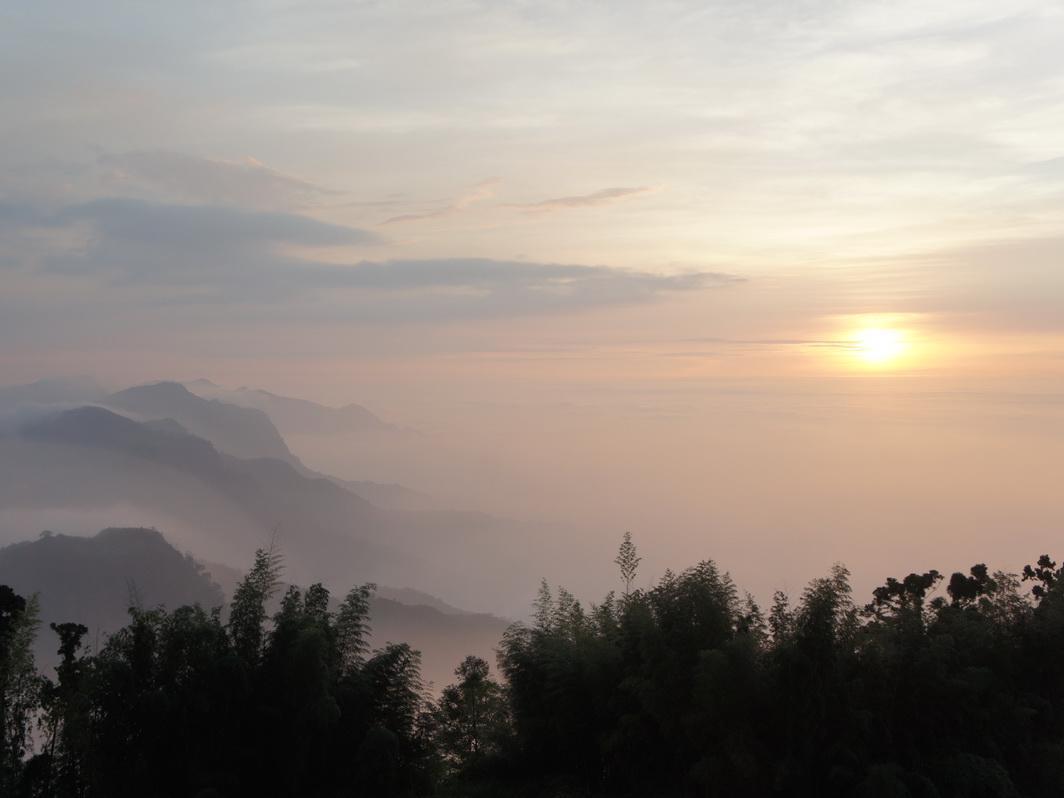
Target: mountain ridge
{"points": [[244, 432], [294, 415], [93, 457]]}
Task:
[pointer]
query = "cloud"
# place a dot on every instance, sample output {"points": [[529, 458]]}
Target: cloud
{"points": [[197, 227], [488, 273], [606, 196], [438, 290], [223, 252], [483, 190], [178, 176], [241, 262], [193, 227], [18, 215]]}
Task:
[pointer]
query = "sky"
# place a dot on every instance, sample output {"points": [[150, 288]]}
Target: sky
{"points": [[737, 275]]}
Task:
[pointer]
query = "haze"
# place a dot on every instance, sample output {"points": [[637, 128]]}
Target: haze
{"points": [[777, 284]]}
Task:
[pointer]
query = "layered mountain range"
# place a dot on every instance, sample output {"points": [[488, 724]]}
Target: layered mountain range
{"points": [[219, 479]]}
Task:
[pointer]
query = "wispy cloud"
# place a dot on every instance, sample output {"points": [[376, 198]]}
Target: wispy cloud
{"points": [[240, 263], [483, 190], [606, 196], [245, 182], [195, 228]]}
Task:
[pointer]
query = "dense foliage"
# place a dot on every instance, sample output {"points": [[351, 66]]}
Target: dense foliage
{"points": [[180, 704], [688, 689], [935, 689]]}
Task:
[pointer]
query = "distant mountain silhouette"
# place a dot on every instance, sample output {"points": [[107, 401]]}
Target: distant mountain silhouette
{"points": [[269, 492], [307, 421], [418, 598], [225, 507], [163, 441], [239, 431], [443, 638], [297, 416]]}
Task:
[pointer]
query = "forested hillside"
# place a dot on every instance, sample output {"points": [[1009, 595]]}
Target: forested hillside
{"points": [[936, 687]]}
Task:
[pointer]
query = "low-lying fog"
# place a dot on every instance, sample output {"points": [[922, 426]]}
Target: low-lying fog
{"points": [[776, 485]]}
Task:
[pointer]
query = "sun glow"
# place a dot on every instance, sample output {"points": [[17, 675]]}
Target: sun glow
{"points": [[879, 346]]}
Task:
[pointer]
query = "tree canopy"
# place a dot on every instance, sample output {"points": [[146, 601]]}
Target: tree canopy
{"points": [[935, 688]]}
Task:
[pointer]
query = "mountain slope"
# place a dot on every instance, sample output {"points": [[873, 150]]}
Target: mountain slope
{"points": [[243, 430], [297, 416], [162, 441], [240, 431], [320, 523], [308, 424], [92, 463]]}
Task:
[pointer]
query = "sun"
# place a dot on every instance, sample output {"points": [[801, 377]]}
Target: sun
{"points": [[879, 345]]}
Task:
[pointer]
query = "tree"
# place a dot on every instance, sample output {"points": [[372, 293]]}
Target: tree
{"points": [[247, 615], [628, 561], [904, 600], [395, 674], [470, 715], [68, 710], [543, 608], [19, 683], [780, 617], [394, 752], [1046, 574], [12, 608], [353, 629], [966, 589]]}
